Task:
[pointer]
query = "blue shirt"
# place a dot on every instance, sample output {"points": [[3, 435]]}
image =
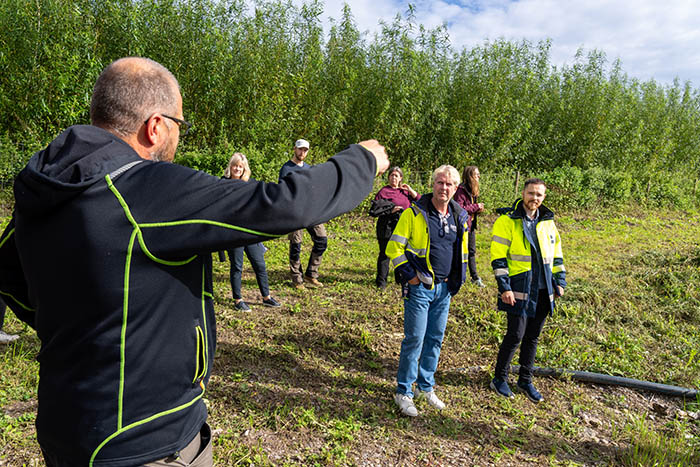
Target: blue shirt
{"points": [[443, 236], [290, 167], [530, 228]]}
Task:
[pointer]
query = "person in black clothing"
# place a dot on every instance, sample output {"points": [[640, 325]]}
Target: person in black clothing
{"points": [[108, 257]]}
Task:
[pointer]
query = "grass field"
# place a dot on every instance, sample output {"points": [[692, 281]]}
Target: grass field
{"points": [[312, 383]]}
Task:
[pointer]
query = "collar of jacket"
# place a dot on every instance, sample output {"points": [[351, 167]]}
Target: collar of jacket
{"points": [[518, 211], [426, 200]]}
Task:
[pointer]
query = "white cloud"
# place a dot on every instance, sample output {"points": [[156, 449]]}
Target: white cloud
{"points": [[652, 39]]}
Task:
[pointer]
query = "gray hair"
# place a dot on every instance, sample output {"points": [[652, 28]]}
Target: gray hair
{"points": [[129, 91], [395, 168], [237, 158], [450, 171]]}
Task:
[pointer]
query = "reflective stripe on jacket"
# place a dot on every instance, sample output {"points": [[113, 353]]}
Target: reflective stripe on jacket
{"points": [[511, 258], [409, 246]]}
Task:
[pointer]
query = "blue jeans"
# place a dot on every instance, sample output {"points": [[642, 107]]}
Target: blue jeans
{"points": [[424, 321], [256, 256]]}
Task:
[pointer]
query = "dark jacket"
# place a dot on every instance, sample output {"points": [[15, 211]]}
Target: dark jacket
{"points": [[386, 219], [116, 255]]}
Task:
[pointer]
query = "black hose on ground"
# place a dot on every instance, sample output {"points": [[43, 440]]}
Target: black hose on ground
{"points": [[599, 378]]}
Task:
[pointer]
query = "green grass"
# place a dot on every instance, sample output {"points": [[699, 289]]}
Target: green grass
{"points": [[673, 446], [311, 383]]}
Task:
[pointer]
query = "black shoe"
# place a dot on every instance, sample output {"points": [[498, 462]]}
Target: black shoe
{"points": [[501, 387], [529, 390], [241, 306], [271, 302]]}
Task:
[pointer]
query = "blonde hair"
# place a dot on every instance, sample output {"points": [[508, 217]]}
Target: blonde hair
{"points": [[238, 158], [449, 171]]}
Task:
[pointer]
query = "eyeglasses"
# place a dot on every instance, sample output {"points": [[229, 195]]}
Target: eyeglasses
{"points": [[184, 126], [444, 225]]}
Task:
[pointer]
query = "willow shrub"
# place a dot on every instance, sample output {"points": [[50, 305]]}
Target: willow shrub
{"points": [[256, 79], [572, 188]]}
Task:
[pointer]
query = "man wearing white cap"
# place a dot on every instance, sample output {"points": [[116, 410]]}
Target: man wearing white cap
{"points": [[317, 232]]}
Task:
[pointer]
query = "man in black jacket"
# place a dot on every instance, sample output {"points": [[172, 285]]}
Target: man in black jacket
{"points": [[108, 257]]}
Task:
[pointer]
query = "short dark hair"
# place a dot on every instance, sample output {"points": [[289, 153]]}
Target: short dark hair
{"points": [[128, 91], [534, 181]]}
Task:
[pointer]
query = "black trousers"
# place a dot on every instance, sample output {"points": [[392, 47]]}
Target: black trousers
{"points": [[525, 332], [382, 263], [471, 245]]}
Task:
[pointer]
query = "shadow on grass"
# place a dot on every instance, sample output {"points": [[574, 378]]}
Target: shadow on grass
{"points": [[280, 277], [287, 380]]}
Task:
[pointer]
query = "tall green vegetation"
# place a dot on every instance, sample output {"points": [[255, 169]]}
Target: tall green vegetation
{"points": [[258, 76]]}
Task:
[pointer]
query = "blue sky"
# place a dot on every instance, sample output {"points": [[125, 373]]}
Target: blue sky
{"points": [[652, 38]]}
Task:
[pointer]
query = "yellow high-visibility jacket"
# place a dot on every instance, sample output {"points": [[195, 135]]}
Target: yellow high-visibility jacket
{"points": [[511, 258], [409, 246]]}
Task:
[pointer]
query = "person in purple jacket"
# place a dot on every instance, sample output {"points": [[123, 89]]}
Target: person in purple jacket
{"points": [[467, 196], [387, 206]]}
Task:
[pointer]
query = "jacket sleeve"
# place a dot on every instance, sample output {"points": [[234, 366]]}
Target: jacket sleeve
{"points": [[502, 235], [182, 212], [396, 248], [13, 287], [558, 269]]}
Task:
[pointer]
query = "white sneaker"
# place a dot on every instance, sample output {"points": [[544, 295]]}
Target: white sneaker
{"points": [[431, 398], [6, 338], [405, 403]]}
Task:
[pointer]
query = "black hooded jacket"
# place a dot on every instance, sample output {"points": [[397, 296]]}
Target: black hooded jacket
{"points": [[108, 257]]}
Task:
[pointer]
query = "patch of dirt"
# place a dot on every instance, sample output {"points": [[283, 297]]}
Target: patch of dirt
{"points": [[16, 409]]}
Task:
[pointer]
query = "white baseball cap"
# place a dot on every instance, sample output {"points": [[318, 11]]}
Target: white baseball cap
{"points": [[301, 143]]}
